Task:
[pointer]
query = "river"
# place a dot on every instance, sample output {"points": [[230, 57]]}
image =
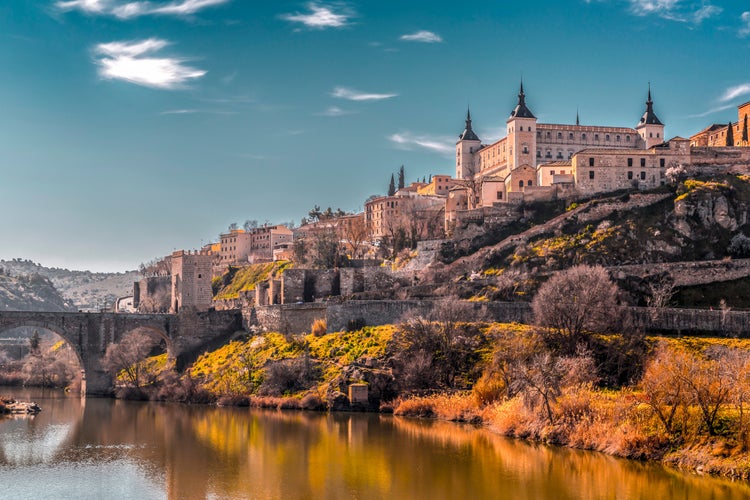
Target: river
{"points": [[98, 448]]}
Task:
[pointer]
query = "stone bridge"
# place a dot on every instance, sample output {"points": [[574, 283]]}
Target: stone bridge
{"points": [[186, 335]]}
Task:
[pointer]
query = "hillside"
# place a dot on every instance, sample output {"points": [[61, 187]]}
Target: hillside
{"points": [[86, 290], [698, 220], [31, 293]]}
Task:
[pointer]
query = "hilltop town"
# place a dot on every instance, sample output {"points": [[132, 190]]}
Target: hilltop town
{"points": [[531, 177]]}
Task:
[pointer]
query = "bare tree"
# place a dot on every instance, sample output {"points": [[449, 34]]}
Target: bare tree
{"points": [[123, 360], [573, 303], [355, 234]]}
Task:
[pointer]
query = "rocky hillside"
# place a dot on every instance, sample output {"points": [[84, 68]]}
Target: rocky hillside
{"points": [[698, 220], [86, 290], [31, 293]]}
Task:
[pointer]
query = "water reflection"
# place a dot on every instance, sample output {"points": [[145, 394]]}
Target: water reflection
{"points": [[116, 449]]}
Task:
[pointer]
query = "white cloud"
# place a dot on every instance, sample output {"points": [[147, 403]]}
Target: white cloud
{"points": [[443, 145], [712, 111], [322, 16], [130, 61], [422, 36], [745, 29], [130, 10], [736, 91], [336, 111], [675, 10], [355, 95]]}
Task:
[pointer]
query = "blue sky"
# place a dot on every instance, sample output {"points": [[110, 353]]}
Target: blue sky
{"points": [[132, 128]]}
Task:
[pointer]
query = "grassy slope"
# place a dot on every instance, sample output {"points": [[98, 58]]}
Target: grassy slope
{"points": [[245, 278]]}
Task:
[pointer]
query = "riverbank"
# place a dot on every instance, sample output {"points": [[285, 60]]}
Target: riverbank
{"points": [[682, 402]]}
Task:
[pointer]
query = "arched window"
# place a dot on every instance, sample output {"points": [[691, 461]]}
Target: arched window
{"points": [[529, 183], [570, 136], [583, 137], [520, 184], [606, 137], [627, 138], [559, 135], [549, 135]]}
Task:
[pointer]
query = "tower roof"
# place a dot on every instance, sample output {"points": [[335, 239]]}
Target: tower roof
{"points": [[468, 134], [649, 117], [521, 110]]}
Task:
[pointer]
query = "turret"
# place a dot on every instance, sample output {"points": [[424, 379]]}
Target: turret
{"points": [[521, 134], [468, 144], [650, 128]]}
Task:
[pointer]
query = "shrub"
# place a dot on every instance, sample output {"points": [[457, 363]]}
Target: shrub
{"points": [[312, 402], [318, 327], [288, 376]]}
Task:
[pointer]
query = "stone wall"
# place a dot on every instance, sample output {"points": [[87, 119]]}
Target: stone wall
{"points": [[716, 322], [153, 294], [688, 273], [285, 318]]}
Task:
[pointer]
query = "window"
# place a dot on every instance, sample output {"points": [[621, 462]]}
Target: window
{"points": [[520, 184], [650, 134], [525, 149], [551, 172], [521, 128], [570, 136], [617, 138], [559, 155], [661, 162], [643, 176], [549, 154], [591, 174], [630, 162], [549, 135], [606, 137], [657, 134], [643, 162], [583, 137], [499, 195], [596, 137], [627, 138], [630, 174], [559, 135], [538, 153], [591, 162], [538, 135]]}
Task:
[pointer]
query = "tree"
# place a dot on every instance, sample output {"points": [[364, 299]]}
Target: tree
{"points": [[401, 179], [392, 186], [250, 224], [34, 342], [355, 235], [744, 129], [573, 303], [730, 135], [233, 226], [314, 214], [123, 360]]}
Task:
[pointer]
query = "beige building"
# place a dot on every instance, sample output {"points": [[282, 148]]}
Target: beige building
{"points": [[191, 281], [240, 247], [717, 134], [421, 215]]}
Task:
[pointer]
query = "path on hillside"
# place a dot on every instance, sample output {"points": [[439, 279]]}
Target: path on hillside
{"points": [[593, 210]]}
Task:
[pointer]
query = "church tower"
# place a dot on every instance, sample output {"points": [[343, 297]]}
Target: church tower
{"points": [[650, 128], [521, 134], [468, 144]]}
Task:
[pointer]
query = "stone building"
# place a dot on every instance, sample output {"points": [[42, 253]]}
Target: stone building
{"points": [[240, 247], [718, 134], [421, 215], [191, 281]]}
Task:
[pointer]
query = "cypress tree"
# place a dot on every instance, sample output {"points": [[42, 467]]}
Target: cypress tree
{"points": [[744, 129], [401, 180], [730, 135], [392, 187]]}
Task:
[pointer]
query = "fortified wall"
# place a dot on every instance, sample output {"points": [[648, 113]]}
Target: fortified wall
{"points": [[691, 273]]}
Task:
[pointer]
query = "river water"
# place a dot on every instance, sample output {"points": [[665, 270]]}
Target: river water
{"points": [[103, 448]]}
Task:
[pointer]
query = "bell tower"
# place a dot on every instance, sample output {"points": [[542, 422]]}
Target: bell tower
{"points": [[650, 128], [521, 134], [468, 144]]}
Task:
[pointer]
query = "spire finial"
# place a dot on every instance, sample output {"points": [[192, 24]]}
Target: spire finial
{"points": [[578, 121]]}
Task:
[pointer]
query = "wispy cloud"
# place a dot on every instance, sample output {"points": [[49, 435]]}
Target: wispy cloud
{"points": [[685, 11], [321, 16], [712, 111], [745, 29], [336, 111], [444, 146], [132, 62], [130, 10], [734, 92], [191, 111], [422, 36], [356, 95]]}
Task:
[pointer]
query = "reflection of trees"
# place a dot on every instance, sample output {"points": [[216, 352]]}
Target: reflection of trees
{"points": [[239, 453]]}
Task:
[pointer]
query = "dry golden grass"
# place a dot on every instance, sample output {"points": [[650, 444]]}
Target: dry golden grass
{"points": [[459, 407], [318, 327]]}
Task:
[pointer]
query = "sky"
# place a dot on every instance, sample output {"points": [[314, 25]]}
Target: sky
{"points": [[129, 129]]}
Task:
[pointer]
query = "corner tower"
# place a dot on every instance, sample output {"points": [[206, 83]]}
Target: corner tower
{"points": [[650, 128], [468, 144], [521, 134]]}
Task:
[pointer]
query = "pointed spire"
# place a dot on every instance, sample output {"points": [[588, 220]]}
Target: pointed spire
{"points": [[468, 134], [649, 117], [578, 119], [521, 110]]}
